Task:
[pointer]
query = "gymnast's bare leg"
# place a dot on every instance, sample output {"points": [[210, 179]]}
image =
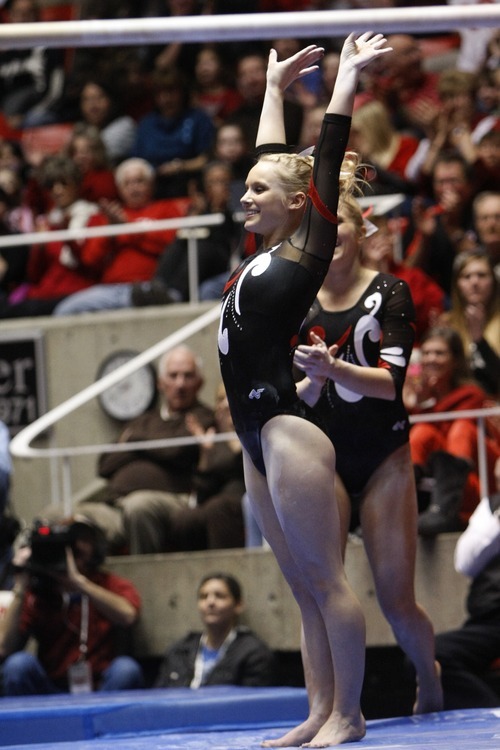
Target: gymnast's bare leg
{"points": [[390, 536], [389, 523], [296, 510]]}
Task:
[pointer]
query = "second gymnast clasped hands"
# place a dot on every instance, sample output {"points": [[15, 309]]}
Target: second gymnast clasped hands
{"points": [[318, 359]]}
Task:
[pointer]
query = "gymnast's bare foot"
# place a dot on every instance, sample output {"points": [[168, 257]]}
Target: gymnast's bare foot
{"points": [[298, 735], [339, 729], [430, 694]]}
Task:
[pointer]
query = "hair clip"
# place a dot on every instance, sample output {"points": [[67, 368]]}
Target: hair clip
{"points": [[307, 151], [370, 227]]}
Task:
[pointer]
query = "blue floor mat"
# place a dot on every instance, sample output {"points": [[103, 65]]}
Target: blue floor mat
{"points": [[222, 718]]}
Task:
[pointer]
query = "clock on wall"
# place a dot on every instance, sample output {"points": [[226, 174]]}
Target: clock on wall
{"points": [[133, 395]]}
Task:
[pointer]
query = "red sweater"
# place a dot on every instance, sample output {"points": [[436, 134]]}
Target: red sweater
{"points": [[127, 258], [54, 269], [407, 147], [98, 184], [468, 396], [49, 277]]}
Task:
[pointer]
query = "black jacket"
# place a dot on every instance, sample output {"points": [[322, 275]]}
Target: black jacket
{"points": [[483, 600], [247, 661]]}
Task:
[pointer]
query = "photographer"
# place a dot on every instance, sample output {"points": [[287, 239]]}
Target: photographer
{"points": [[73, 609]]}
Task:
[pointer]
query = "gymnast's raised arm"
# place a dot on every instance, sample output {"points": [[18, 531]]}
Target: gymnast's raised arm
{"points": [[279, 76]]}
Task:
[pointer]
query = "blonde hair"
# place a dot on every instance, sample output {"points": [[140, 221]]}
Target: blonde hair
{"points": [[350, 181], [373, 122], [295, 172], [351, 184], [349, 205]]}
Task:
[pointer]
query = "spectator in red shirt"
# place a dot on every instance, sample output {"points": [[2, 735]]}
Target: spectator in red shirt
{"points": [[387, 152], [402, 83], [447, 450], [74, 609], [214, 91], [54, 268], [88, 150], [124, 259]]}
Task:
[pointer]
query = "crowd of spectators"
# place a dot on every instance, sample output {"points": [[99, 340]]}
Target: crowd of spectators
{"points": [[426, 125]]}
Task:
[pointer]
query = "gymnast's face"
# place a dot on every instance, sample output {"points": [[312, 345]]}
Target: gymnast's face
{"points": [[349, 237], [265, 202]]}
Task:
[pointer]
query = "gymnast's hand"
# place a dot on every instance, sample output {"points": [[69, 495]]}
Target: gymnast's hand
{"points": [[283, 74], [317, 361], [359, 51]]}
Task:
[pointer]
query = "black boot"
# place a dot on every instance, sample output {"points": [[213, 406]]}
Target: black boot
{"points": [[423, 485], [450, 474]]}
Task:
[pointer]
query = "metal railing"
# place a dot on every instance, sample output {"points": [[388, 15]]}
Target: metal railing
{"points": [[190, 228], [21, 443]]}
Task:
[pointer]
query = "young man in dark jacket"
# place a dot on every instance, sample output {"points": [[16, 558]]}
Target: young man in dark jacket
{"points": [[224, 653]]}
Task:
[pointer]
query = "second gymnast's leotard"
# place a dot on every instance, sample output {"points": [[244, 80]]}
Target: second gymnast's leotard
{"points": [[378, 331], [267, 298]]}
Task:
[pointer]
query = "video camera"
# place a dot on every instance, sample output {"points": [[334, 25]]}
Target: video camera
{"points": [[48, 542], [48, 547]]}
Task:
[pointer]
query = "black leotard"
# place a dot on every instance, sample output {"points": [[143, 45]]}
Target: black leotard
{"points": [[378, 331], [266, 300]]}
